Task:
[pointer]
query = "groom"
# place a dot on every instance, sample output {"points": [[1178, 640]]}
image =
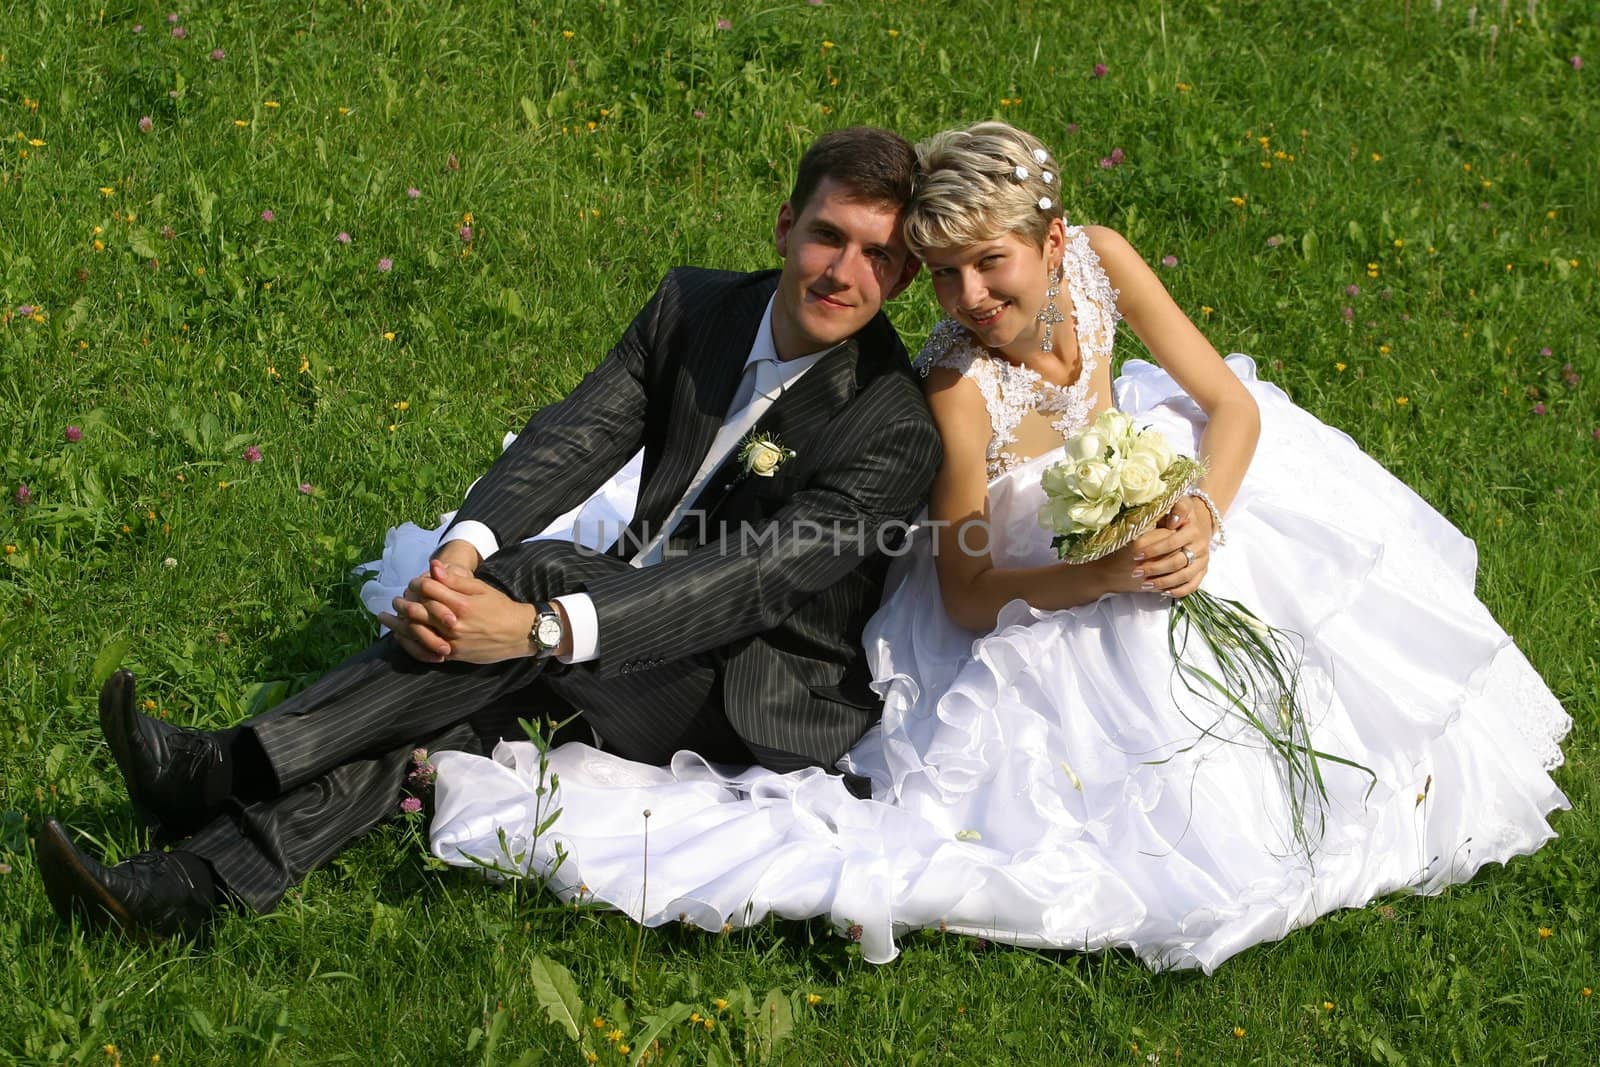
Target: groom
{"points": [[785, 438]]}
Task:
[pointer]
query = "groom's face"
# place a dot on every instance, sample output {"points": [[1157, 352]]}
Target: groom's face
{"points": [[842, 258]]}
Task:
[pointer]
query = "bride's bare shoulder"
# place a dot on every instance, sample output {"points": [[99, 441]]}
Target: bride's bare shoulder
{"points": [[957, 404]]}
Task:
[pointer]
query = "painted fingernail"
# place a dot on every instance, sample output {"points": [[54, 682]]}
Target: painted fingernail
{"points": [[1137, 556], [1148, 585], [1139, 572]]}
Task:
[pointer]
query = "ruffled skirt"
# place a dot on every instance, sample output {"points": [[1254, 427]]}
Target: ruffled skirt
{"points": [[1051, 784]]}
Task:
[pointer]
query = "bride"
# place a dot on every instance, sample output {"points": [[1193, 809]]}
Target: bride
{"points": [[1038, 776]]}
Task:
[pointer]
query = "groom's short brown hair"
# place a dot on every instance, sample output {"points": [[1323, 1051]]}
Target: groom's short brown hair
{"points": [[876, 165]]}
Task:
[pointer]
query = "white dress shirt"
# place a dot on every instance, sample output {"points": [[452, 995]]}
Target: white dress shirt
{"points": [[765, 378]]}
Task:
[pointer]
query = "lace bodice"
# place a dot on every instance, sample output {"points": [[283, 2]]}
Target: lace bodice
{"points": [[1010, 391]]}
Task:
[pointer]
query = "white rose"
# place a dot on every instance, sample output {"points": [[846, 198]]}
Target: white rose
{"points": [[763, 458], [1154, 445], [1094, 480], [1056, 481], [1140, 479], [1087, 516], [1087, 445], [1116, 428]]}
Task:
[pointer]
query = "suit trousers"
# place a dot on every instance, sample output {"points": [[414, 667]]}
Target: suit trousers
{"points": [[340, 750]]}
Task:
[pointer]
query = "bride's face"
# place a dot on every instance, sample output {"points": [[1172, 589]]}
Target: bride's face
{"points": [[996, 288]]}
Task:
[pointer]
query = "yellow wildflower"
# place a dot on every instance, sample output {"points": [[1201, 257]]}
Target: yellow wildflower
{"points": [[388, 335], [813, 999], [1383, 350], [1376, 158], [894, 33], [567, 34], [106, 190], [1238, 1031], [1402, 400], [614, 1036], [826, 45], [1399, 242], [1236, 201], [11, 550], [1206, 310], [624, 1049], [1327, 1005], [1183, 87], [402, 405], [271, 103], [709, 1024], [720, 1004], [1339, 367], [694, 1017], [1587, 991], [1544, 933], [599, 1023], [1549, 214]]}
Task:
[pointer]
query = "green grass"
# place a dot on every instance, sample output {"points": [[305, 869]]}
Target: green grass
{"points": [[1458, 161]]}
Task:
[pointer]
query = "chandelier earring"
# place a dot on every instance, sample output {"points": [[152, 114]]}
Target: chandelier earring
{"points": [[1051, 315]]}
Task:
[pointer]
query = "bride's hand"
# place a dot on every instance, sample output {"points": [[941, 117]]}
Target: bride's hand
{"points": [[1172, 559]]}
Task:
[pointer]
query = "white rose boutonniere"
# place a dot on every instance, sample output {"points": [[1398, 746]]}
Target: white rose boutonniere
{"points": [[762, 455]]}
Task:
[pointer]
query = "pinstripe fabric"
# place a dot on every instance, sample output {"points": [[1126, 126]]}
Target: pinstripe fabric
{"points": [[753, 650], [260, 850], [783, 609]]}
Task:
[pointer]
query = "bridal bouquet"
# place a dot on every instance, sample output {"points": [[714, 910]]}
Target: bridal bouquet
{"points": [[1117, 483]]}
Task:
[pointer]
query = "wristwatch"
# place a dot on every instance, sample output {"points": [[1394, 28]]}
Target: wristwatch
{"points": [[548, 631]]}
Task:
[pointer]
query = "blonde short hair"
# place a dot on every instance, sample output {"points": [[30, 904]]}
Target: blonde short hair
{"points": [[979, 183]]}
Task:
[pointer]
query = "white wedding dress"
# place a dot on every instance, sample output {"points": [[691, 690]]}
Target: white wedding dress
{"points": [[1044, 784]]}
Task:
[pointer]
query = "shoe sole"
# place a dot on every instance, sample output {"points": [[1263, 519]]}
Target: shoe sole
{"points": [[73, 891]]}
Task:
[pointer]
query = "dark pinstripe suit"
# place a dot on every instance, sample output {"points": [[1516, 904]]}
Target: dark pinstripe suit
{"points": [[729, 647]]}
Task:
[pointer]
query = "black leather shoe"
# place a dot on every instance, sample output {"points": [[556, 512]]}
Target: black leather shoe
{"points": [[150, 896], [175, 776]]}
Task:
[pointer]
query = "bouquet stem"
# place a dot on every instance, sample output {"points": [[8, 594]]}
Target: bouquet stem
{"points": [[1256, 680]]}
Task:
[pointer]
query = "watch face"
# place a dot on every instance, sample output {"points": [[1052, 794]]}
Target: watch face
{"points": [[550, 630]]}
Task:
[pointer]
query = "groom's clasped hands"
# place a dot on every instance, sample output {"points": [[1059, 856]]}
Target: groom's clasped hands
{"points": [[449, 614]]}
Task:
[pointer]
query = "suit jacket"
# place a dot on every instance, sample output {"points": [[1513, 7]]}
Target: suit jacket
{"points": [[762, 585]]}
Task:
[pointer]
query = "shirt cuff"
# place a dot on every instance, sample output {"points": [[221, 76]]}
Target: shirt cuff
{"points": [[583, 626], [475, 534]]}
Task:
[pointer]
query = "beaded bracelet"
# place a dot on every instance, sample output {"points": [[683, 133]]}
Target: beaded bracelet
{"points": [[1218, 537]]}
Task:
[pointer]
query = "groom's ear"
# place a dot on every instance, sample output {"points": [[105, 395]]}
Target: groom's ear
{"points": [[780, 231]]}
